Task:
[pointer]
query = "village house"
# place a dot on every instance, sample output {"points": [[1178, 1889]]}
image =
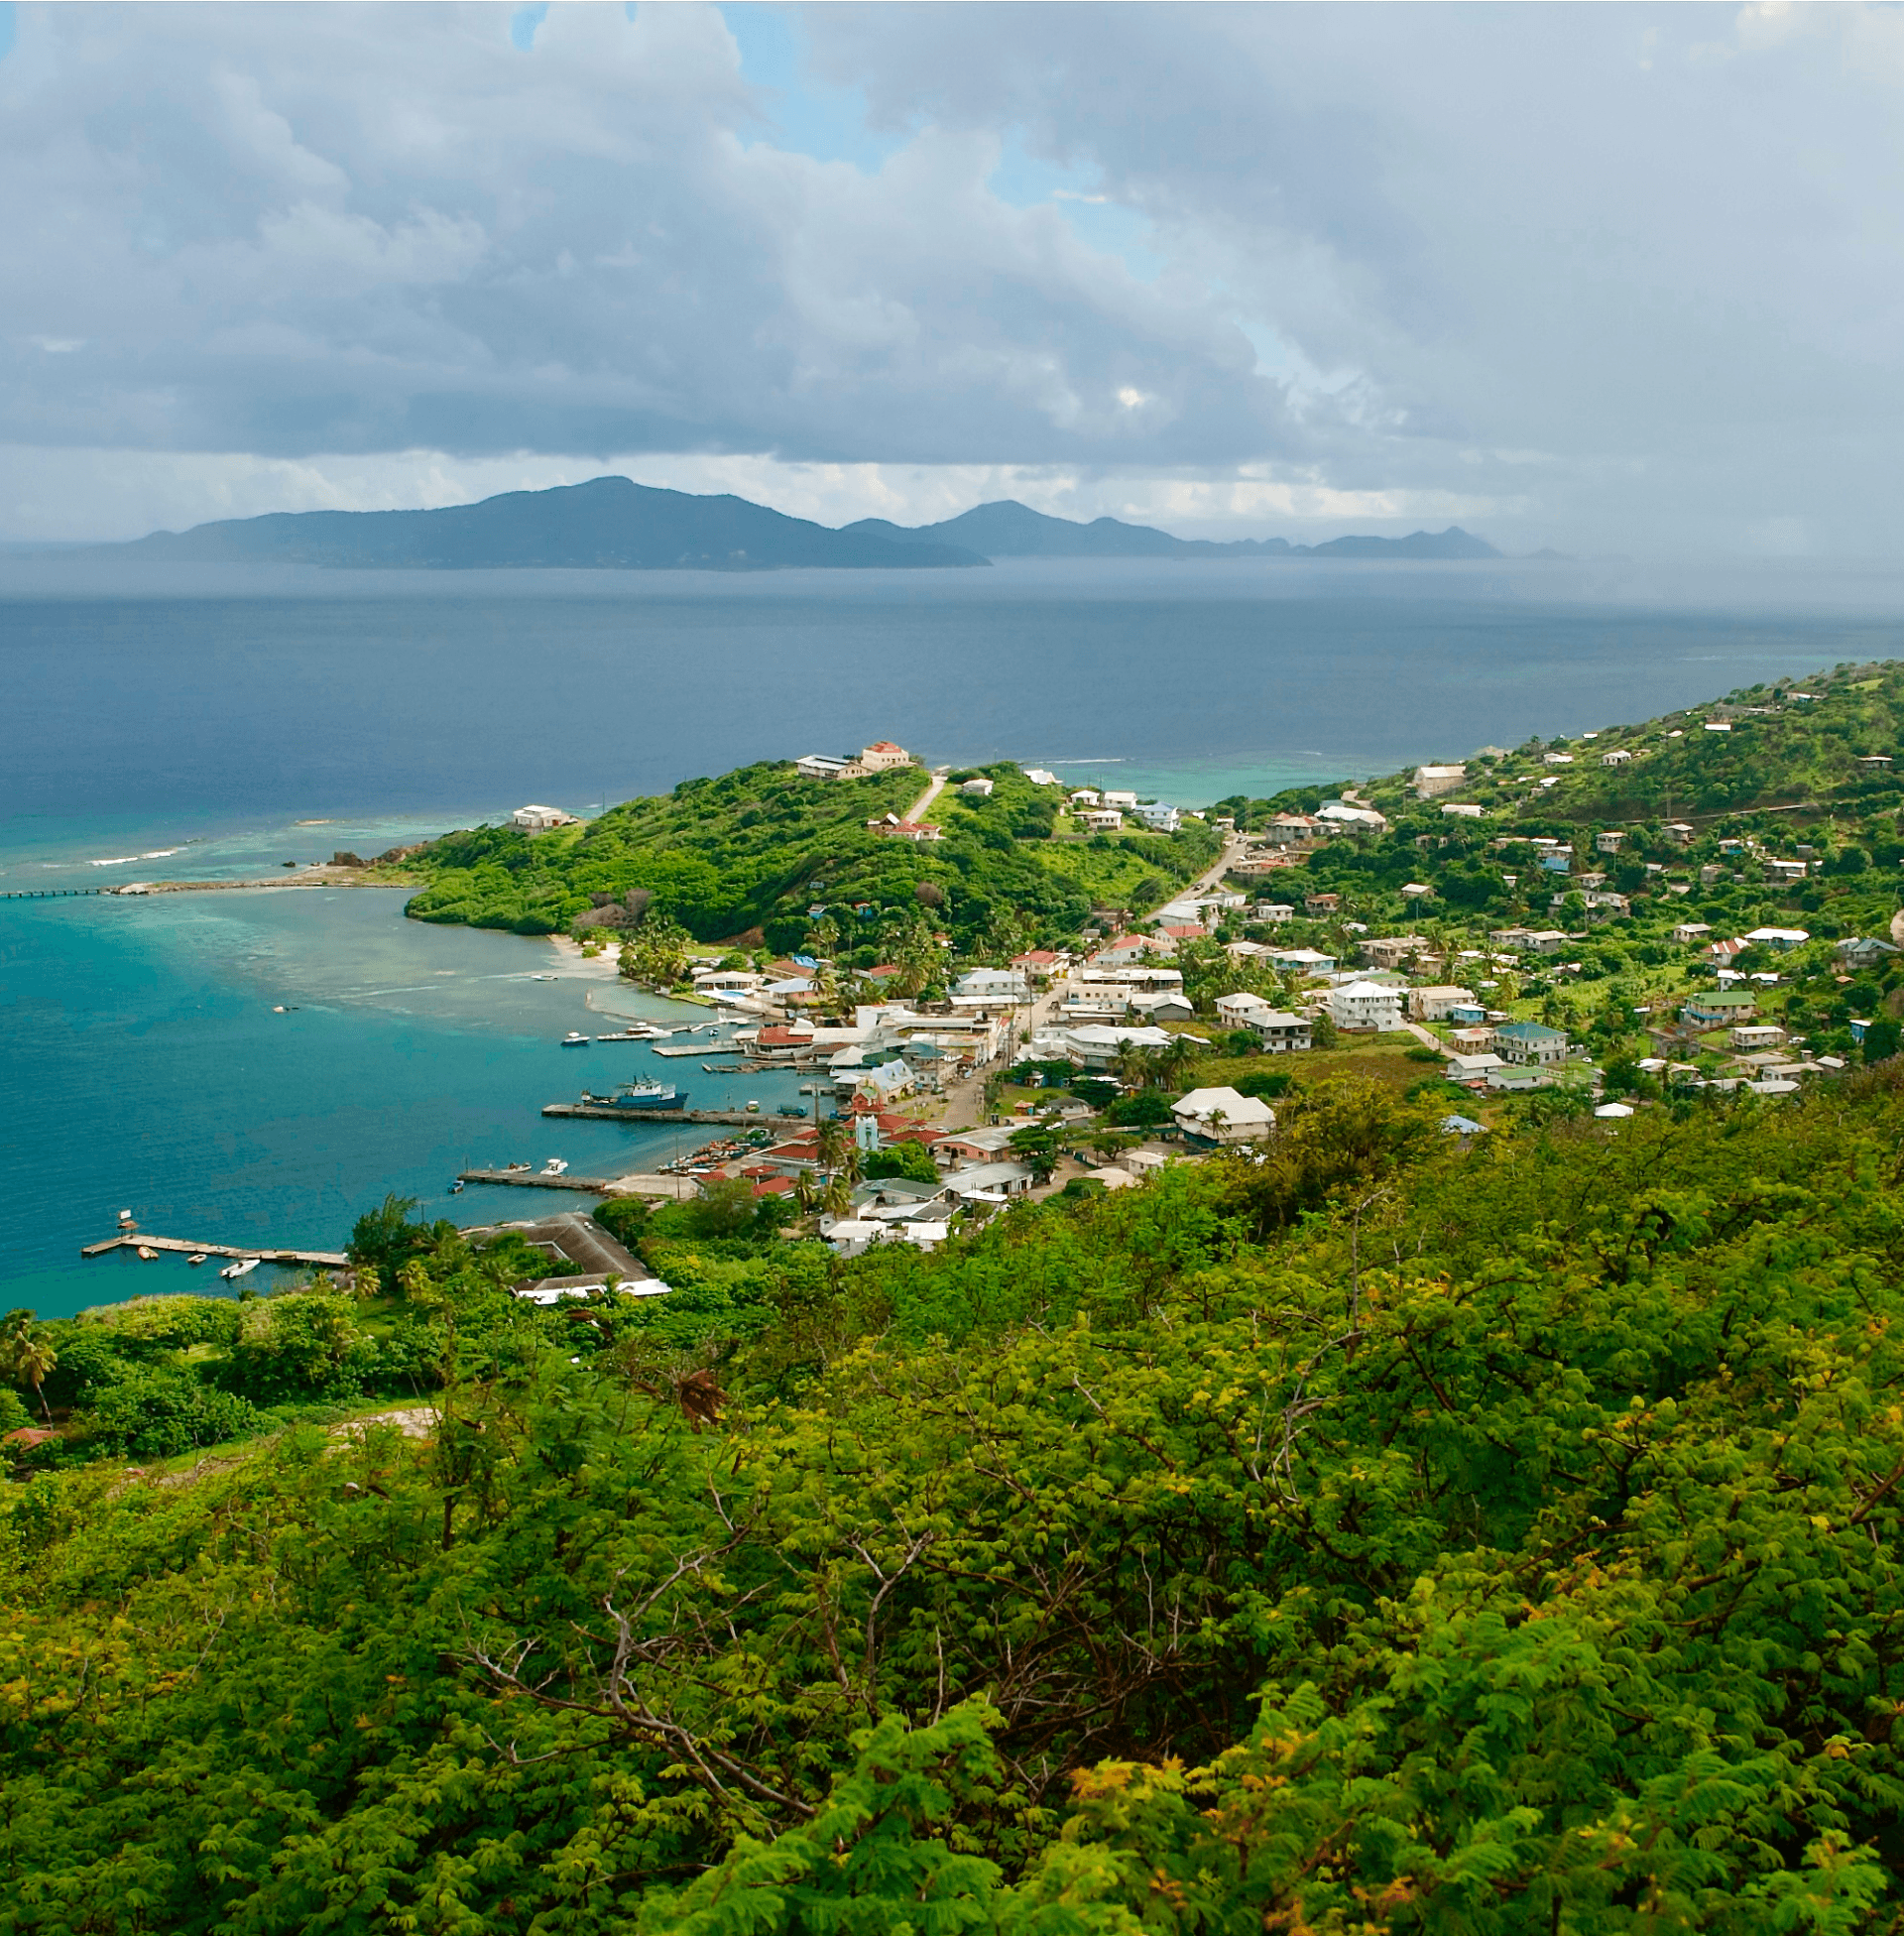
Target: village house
{"points": [[1779, 939], [990, 1182], [1617, 756], [1279, 1031], [823, 766], [973, 1146], [1433, 782], [978, 788], [1320, 903], [1005, 985], [1691, 933], [1391, 950], [882, 756], [1858, 953], [1434, 1004], [1342, 816], [540, 819], [1292, 830], [1465, 809], [915, 830], [1236, 1011], [1272, 912], [1609, 840], [1300, 961], [1119, 796], [1472, 1068], [1084, 796], [1755, 1035], [1786, 872], [1717, 1009], [1530, 1044], [1475, 1040], [1157, 816], [1874, 761], [1101, 820], [1222, 1115], [1364, 1004], [1528, 941], [1171, 1004], [1680, 833]]}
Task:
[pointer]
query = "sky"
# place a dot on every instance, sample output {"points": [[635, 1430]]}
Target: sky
{"points": [[1609, 279]]}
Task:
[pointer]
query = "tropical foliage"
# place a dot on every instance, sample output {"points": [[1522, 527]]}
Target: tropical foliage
{"points": [[1364, 1534]]}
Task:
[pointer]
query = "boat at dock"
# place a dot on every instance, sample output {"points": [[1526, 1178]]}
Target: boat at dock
{"points": [[639, 1098], [243, 1267], [574, 1039], [555, 1166], [638, 1032]]}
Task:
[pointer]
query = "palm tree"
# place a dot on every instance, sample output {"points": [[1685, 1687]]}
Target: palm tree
{"points": [[1133, 1066], [837, 1198], [27, 1356], [1219, 1120], [1177, 1058], [832, 1141]]}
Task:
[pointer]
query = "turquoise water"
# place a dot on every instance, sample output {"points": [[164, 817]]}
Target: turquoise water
{"points": [[189, 724], [144, 1069]]}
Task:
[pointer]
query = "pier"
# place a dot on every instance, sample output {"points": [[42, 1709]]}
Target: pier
{"points": [[50, 893], [264, 1253], [653, 1119], [679, 1188], [705, 1048]]}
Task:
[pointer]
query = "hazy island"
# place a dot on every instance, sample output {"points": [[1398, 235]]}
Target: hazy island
{"points": [[612, 523], [1407, 1438]]}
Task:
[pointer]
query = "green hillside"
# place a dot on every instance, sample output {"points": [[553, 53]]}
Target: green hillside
{"points": [[758, 847], [1379, 1537]]}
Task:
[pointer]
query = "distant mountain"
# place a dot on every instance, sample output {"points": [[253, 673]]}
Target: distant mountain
{"points": [[609, 523], [613, 525], [1009, 529]]}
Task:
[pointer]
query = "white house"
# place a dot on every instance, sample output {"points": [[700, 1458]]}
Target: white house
{"points": [[1756, 1035], [1300, 961], [538, 819], [1038, 777], [1779, 939], [990, 1182], [1101, 820], [1240, 1010], [823, 766], [1617, 757], [882, 755], [1280, 1031], [1364, 1004], [1432, 782], [1242, 1118], [1340, 814], [1473, 1068], [994, 984], [979, 787], [1691, 933], [1158, 817], [1170, 1004], [1120, 798]]}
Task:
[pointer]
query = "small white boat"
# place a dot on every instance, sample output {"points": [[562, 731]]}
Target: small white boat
{"points": [[242, 1268], [554, 1167], [545, 978], [574, 1039], [196, 1258]]}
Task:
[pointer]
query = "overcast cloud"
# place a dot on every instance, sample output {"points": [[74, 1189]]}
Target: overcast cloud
{"points": [[1597, 276]]}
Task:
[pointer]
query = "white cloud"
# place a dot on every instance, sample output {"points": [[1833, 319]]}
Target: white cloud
{"points": [[1620, 278]]}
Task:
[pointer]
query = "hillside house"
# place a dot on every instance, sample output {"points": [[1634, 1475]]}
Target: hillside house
{"points": [[1615, 757], [540, 819], [1609, 840], [1099, 819], [1222, 1115], [1391, 950], [883, 755], [1156, 816], [1779, 939], [895, 828], [1280, 1032], [1477, 1040], [1364, 1006], [1719, 1008], [1749, 1037], [1339, 816], [1300, 961], [978, 788], [1292, 830], [1433, 782], [1435, 1004], [1272, 912], [1691, 933], [1238, 1011], [823, 766], [1320, 903], [1171, 1004], [1530, 1044]]}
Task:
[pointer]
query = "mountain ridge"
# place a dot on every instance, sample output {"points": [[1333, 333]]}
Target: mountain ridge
{"points": [[611, 522]]}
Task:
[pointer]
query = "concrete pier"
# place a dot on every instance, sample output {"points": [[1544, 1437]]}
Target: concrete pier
{"points": [[265, 1253], [679, 1188], [660, 1118]]}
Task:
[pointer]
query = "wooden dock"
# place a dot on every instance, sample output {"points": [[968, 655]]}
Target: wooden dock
{"points": [[676, 1187], [50, 893], [651, 1119], [705, 1050], [264, 1253]]}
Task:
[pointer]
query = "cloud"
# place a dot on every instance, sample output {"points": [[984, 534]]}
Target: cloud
{"points": [[1606, 276]]}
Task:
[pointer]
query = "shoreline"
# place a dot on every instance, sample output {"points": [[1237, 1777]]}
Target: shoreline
{"points": [[321, 876]]}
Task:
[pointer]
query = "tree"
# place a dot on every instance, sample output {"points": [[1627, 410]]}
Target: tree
{"points": [[27, 1355], [1038, 1147], [1173, 1061], [1880, 1040], [910, 1160]]}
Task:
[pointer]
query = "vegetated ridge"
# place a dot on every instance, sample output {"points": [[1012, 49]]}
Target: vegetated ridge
{"points": [[612, 523], [1008, 528], [757, 848]]}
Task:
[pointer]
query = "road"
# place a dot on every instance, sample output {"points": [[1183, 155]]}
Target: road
{"points": [[931, 794]]}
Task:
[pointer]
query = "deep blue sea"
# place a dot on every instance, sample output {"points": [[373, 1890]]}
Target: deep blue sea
{"points": [[174, 722]]}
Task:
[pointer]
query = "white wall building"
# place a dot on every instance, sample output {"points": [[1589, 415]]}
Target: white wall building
{"points": [[1364, 1006], [1224, 1115]]}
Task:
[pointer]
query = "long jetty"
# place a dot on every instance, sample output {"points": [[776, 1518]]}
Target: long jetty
{"points": [[50, 893], [678, 1187], [653, 1117], [264, 1253]]}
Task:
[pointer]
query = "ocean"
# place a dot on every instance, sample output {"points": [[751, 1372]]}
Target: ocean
{"points": [[185, 723]]}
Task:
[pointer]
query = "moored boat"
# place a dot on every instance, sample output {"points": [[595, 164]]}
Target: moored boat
{"points": [[639, 1098], [574, 1039], [243, 1267]]}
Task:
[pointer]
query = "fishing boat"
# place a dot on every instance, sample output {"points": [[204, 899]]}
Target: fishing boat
{"points": [[456, 1189], [574, 1039], [638, 1032], [146, 1252], [197, 1257], [555, 1166], [242, 1268], [639, 1098]]}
